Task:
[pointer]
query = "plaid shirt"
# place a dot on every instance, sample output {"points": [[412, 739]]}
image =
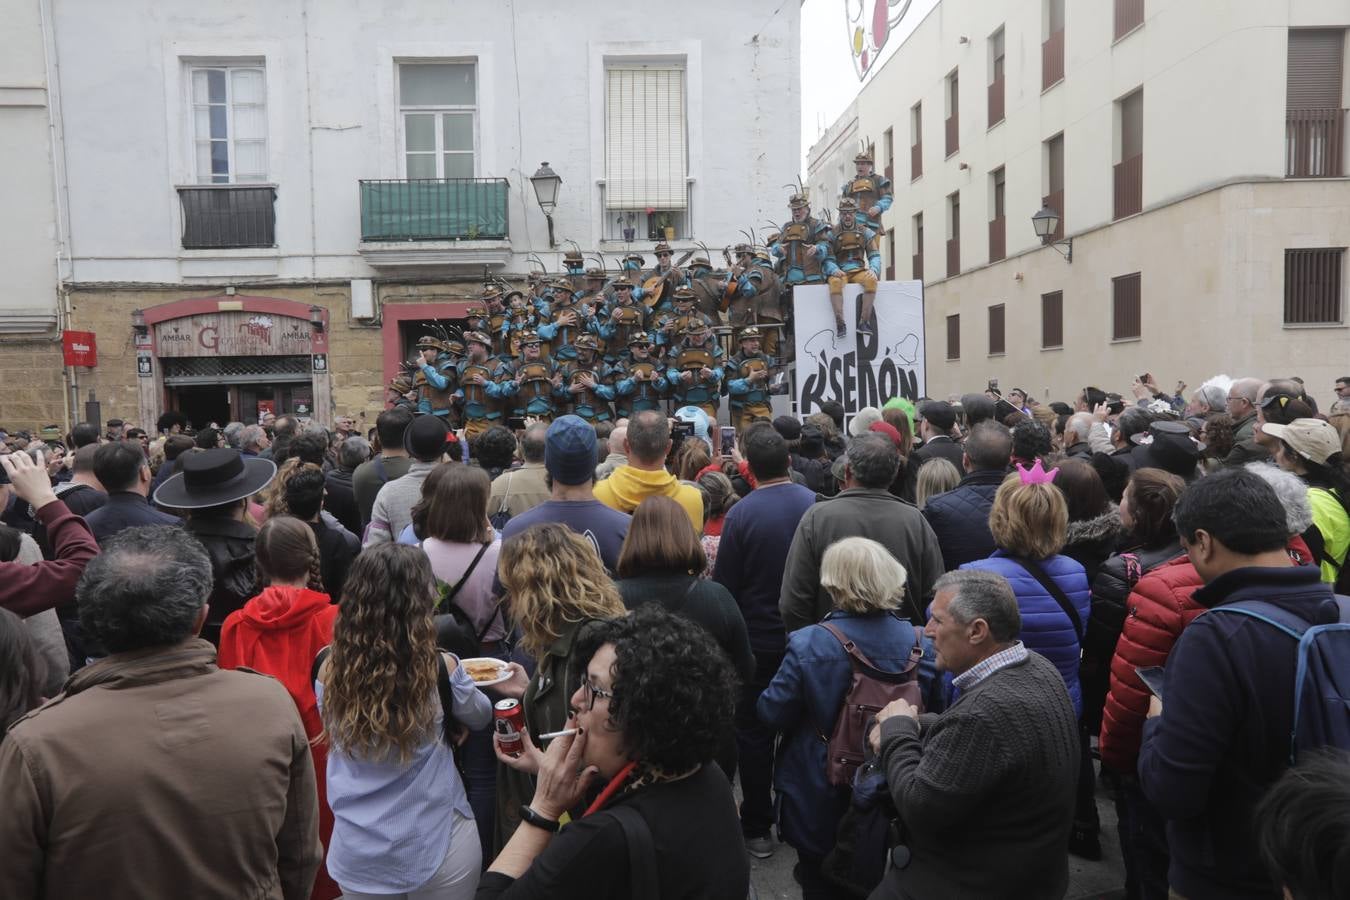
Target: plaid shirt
{"points": [[989, 665]]}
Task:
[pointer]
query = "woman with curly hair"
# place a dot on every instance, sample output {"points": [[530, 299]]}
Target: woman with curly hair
{"points": [[652, 699], [280, 631], [1217, 435], [402, 823], [556, 589]]}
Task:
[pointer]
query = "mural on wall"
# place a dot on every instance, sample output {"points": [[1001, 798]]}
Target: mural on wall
{"points": [[870, 24]]}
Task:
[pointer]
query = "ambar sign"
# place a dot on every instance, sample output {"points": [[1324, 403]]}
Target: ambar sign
{"points": [[234, 334]]}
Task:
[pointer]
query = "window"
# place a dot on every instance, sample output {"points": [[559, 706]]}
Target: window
{"points": [[1125, 313], [1129, 16], [954, 336], [438, 111], [998, 225], [888, 148], [953, 234], [229, 123], [917, 261], [996, 335], [1052, 320], [1128, 174], [890, 254], [996, 89], [916, 148], [646, 144], [952, 124], [1312, 286], [1052, 44], [1054, 181], [1314, 111]]}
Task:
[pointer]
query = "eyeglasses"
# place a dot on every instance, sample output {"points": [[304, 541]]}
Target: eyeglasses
{"points": [[593, 691]]}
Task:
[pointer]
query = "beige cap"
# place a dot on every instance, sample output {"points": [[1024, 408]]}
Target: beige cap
{"points": [[1312, 439]]}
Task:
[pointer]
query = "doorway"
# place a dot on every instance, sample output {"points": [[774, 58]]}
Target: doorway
{"points": [[203, 404]]}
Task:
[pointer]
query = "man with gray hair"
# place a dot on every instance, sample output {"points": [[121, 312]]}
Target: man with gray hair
{"points": [[864, 508], [253, 440], [151, 742], [233, 432], [339, 492], [522, 489], [1077, 431], [985, 790]]}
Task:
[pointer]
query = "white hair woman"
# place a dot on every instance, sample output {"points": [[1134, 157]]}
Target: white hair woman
{"points": [[867, 587]]}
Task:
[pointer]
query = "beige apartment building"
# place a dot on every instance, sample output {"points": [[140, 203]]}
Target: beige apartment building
{"points": [[1193, 154]]}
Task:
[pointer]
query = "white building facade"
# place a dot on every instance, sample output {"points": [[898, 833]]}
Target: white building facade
{"points": [[358, 168], [1196, 154]]}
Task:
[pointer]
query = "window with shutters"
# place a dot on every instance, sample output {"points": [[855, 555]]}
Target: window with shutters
{"points": [[229, 119], [888, 150], [916, 141], [1052, 43], [1129, 15], [438, 115], [916, 265], [996, 335], [1315, 114], [646, 148], [890, 254], [954, 336], [1128, 172], [1125, 308], [953, 234], [998, 225], [996, 83], [1052, 320], [1313, 282], [1054, 181], [952, 124]]}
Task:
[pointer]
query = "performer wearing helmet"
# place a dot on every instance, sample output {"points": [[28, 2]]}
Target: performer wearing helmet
{"points": [[532, 383], [437, 378], [872, 192], [659, 284], [804, 248], [857, 260], [587, 379], [747, 380], [639, 381], [620, 319], [475, 386], [572, 316], [695, 369]]}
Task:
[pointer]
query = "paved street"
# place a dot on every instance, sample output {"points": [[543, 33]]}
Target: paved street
{"points": [[1103, 880]]}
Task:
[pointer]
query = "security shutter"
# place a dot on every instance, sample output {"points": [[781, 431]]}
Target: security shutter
{"points": [[646, 154], [1315, 64]]}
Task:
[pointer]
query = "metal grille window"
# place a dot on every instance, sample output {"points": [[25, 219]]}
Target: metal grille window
{"points": [[1315, 113], [1052, 320], [997, 341], [1312, 286], [954, 336], [235, 369], [229, 123], [646, 153], [224, 216], [1125, 307], [438, 114]]}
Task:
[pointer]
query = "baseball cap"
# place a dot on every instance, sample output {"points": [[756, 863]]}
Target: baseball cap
{"points": [[569, 450], [1311, 439]]}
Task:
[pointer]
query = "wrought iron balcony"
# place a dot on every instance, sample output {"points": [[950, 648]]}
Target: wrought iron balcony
{"points": [[224, 216], [434, 209]]}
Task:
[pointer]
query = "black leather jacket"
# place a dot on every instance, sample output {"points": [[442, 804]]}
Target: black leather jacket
{"points": [[229, 544]]}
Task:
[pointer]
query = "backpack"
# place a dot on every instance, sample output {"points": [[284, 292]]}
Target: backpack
{"points": [[870, 690], [1322, 676]]}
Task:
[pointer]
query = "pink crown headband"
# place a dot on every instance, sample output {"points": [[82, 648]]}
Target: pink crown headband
{"points": [[1037, 474]]}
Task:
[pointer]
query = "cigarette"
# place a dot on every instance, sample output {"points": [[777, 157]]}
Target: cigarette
{"points": [[557, 734]]}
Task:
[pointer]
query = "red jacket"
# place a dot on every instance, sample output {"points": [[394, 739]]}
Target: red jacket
{"points": [[1158, 608], [28, 589], [278, 633]]}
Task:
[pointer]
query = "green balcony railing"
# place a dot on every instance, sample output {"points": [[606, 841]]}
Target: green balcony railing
{"points": [[434, 209]]}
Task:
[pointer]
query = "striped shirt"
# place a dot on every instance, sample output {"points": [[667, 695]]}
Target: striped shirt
{"points": [[989, 665]]}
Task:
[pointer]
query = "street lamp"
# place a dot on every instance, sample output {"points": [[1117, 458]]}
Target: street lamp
{"points": [[138, 323], [1046, 223], [316, 318], [546, 183]]}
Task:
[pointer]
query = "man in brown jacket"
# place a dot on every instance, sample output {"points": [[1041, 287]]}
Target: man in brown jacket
{"points": [[155, 773]]}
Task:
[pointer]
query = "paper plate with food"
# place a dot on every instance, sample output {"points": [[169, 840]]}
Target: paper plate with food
{"points": [[486, 671]]}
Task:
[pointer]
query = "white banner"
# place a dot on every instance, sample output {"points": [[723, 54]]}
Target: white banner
{"points": [[859, 370]]}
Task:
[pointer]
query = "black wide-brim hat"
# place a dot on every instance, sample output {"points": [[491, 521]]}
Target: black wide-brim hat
{"points": [[425, 438], [1168, 446], [214, 478]]}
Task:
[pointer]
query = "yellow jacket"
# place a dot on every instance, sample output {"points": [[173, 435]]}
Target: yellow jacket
{"points": [[628, 487]]}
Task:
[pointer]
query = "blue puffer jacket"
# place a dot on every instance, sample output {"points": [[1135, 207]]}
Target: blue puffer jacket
{"points": [[1046, 628], [960, 518], [803, 702]]}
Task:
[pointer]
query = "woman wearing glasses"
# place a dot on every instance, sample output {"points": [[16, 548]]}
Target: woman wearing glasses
{"points": [[652, 698], [556, 589]]}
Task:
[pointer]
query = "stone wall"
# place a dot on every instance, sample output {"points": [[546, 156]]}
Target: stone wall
{"points": [[32, 382]]}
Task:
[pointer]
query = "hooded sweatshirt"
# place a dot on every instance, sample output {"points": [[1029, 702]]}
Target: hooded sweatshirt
{"points": [[278, 633], [628, 487]]}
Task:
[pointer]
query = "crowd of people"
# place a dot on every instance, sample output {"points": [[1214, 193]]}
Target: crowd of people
{"points": [[425, 662]]}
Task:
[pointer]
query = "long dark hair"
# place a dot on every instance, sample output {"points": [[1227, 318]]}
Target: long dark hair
{"points": [[22, 671]]}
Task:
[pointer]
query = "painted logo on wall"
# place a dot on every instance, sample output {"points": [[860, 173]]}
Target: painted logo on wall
{"points": [[870, 23]]}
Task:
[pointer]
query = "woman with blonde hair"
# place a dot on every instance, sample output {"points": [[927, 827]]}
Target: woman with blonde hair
{"points": [[1029, 522], [390, 703], [937, 476], [867, 587], [556, 589]]}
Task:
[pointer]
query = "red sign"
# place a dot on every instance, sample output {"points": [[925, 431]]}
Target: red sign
{"points": [[80, 347]]}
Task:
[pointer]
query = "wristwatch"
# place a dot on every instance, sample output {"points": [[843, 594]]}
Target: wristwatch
{"points": [[529, 815]]}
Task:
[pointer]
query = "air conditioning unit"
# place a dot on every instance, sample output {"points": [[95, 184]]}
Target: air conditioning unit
{"points": [[363, 298]]}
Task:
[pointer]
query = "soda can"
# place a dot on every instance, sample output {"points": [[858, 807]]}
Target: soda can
{"points": [[509, 722]]}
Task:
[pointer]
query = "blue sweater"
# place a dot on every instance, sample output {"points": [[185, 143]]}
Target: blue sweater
{"points": [[1046, 628], [753, 552], [1223, 737], [803, 701]]}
